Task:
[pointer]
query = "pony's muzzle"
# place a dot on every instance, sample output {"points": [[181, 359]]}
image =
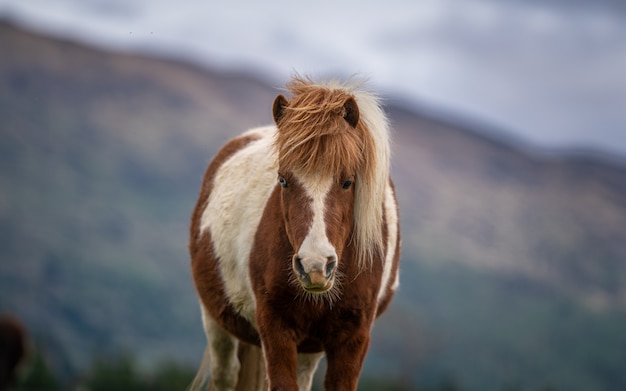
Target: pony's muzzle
{"points": [[315, 274]]}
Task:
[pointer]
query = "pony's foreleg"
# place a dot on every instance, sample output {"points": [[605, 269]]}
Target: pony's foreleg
{"points": [[345, 360], [220, 356], [279, 351], [307, 364]]}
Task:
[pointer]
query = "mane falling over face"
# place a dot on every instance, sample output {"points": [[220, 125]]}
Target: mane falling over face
{"points": [[321, 132]]}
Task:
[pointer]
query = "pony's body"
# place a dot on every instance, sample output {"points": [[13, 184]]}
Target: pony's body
{"points": [[301, 265]]}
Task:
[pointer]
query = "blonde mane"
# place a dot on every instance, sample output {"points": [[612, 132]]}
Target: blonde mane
{"points": [[315, 136]]}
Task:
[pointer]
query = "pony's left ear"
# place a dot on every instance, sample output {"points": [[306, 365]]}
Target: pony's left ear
{"points": [[351, 112], [278, 109]]}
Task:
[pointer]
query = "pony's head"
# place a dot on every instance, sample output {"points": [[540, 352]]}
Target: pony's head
{"points": [[333, 163]]}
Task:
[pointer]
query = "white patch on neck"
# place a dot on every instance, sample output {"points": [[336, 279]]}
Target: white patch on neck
{"points": [[391, 214]]}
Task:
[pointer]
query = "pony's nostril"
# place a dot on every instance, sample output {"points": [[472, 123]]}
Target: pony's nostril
{"points": [[330, 267], [297, 264]]}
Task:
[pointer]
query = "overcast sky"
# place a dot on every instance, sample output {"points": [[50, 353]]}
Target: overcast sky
{"points": [[550, 73]]}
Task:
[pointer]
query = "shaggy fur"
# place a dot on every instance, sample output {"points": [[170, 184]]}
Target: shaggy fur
{"points": [[295, 243], [317, 132]]}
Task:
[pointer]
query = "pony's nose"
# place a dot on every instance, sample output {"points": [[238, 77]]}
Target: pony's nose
{"points": [[315, 273]]}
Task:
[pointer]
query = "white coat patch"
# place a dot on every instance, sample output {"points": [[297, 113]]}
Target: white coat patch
{"points": [[241, 188]]}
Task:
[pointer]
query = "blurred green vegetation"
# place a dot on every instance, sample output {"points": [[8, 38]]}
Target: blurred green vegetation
{"points": [[123, 372], [108, 373], [38, 376], [489, 331]]}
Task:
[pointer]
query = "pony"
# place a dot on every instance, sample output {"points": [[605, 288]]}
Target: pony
{"points": [[295, 243], [13, 350]]}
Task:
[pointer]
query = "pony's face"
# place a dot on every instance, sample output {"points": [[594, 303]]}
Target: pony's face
{"points": [[318, 213], [320, 151]]}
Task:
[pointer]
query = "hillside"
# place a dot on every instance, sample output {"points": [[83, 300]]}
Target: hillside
{"points": [[514, 263], [555, 219], [101, 158]]}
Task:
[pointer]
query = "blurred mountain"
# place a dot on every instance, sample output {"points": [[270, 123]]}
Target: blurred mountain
{"points": [[514, 260], [100, 161], [556, 219]]}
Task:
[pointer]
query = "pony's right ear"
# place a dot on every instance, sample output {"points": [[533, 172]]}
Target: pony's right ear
{"points": [[278, 109]]}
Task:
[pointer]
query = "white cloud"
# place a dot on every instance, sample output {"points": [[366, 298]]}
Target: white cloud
{"points": [[553, 75]]}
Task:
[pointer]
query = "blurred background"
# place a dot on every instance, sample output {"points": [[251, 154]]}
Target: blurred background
{"points": [[509, 157]]}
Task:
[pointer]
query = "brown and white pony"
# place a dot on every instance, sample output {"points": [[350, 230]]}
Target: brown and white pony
{"points": [[295, 243]]}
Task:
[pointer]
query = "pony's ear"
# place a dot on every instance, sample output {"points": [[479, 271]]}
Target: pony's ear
{"points": [[278, 109], [351, 112]]}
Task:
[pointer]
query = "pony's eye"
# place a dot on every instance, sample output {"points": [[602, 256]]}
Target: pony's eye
{"points": [[347, 184], [282, 181]]}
